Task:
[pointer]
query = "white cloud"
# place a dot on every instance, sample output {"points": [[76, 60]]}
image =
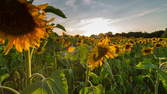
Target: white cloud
{"points": [[70, 3]]}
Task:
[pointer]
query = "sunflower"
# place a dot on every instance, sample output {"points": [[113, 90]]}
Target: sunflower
{"points": [[40, 50], [147, 51], [71, 49], [128, 47], [157, 45], [2, 41], [22, 24], [80, 42], [99, 53]]}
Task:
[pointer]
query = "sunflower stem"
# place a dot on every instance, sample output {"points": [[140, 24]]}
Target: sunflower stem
{"points": [[157, 77], [28, 68], [87, 75], [156, 83]]}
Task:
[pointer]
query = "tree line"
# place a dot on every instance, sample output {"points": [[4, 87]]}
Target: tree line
{"points": [[159, 33]]}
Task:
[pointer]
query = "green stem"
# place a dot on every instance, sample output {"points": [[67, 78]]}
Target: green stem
{"points": [[10, 89], [156, 83], [37, 75], [87, 75], [157, 77], [28, 68]]}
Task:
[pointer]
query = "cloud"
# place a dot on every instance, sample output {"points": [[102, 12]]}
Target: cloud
{"points": [[98, 25], [88, 2], [139, 14], [70, 3], [92, 26]]}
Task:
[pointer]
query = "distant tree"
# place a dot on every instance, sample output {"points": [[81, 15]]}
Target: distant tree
{"points": [[164, 35], [160, 33], [109, 34]]}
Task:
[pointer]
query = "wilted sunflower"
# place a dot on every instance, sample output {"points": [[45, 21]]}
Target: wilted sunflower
{"points": [[98, 54], [147, 51], [22, 24]]}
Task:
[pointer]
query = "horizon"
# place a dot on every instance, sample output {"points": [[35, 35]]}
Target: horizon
{"points": [[87, 17]]}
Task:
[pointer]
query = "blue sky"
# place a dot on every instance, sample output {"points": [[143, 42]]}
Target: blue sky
{"points": [[88, 17]]}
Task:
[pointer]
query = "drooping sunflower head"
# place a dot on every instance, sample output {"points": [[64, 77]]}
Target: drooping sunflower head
{"points": [[22, 23], [15, 18]]}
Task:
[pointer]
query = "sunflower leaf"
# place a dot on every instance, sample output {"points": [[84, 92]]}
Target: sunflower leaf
{"points": [[55, 11], [61, 27], [31, 1], [99, 89]]}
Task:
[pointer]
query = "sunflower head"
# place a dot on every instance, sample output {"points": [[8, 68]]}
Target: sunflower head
{"points": [[157, 45], [147, 51], [23, 24], [80, 42], [99, 54], [71, 49], [128, 47], [15, 18]]}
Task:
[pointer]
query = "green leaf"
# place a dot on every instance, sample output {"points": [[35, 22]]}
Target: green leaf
{"points": [[3, 77], [84, 90], [30, 1], [55, 11], [95, 78], [92, 90], [56, 84], [163, 78], [40, 91], [61, 27], [37, 87], [162, 74], [146, 64]]}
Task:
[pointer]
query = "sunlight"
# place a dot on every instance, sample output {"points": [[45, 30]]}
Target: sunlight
{"points": [[95, 26]]}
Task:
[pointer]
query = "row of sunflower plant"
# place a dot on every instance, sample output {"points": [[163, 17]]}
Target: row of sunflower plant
{"points": [[87, 65], [34, 60]]}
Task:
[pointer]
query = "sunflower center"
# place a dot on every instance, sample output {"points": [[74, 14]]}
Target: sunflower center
{"points": [[15, 18], [147, 50], [158, 45], [127, 46], [101, 53]]}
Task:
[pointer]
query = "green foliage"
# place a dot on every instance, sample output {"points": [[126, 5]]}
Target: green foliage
{"points": [[67, 72], [56, 11], [61, 27], [92, 90], [56, 84]]}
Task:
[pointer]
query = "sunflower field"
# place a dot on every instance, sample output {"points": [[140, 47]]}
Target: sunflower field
{"points": [[36, 60]]}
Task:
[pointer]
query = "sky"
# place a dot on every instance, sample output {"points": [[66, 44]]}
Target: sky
{"points": [[87, 17]]}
